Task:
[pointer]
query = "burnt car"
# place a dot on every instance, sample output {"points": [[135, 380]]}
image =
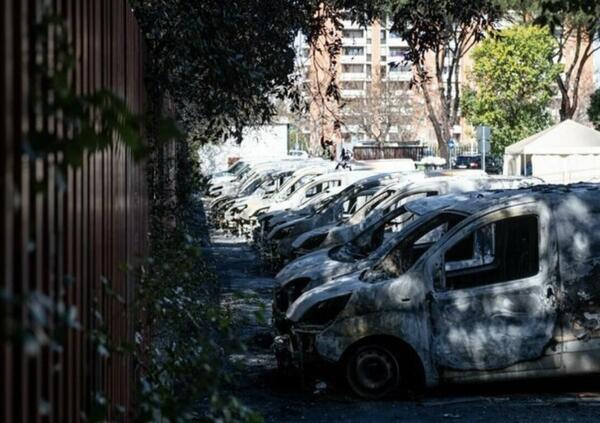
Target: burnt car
{"points": [[393, 197], [328, 265], [240, 214], [508, 291], [259, 185], [339, 208], [323, 188], [365, 240]]}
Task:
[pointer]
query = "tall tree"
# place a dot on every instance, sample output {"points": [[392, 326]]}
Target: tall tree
{"points": [[575, 25], [224, 64], [577, 34], [387, 109], [570, 6], [514, 77], [439, 34]]}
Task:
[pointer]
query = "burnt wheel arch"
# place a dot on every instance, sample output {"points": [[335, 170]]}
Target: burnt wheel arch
{"points": [[410, 364]]}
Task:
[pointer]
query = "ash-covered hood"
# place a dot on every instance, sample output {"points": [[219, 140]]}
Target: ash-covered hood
{"points": [[342, 286], [321, 230], [287, 224], [316, 266]]}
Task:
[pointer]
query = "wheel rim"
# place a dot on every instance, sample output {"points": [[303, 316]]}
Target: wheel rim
{"points": [[373, 372]]}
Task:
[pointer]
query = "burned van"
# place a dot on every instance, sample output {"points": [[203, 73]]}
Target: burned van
{"points": [[327, 265], [398, 194], [339, 207], [410, 202], [511, 290]]}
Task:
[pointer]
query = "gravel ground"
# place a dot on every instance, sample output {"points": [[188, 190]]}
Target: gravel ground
{"points": [[279, 398]]}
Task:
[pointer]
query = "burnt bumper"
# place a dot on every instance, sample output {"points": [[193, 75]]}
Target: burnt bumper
{"points": [[287, 357], [296, 350]]}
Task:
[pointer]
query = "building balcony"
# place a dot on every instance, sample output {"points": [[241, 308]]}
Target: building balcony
{"points": [[352, 76], [400, 76], [351, 42], [353, 59], [396, 42], [352, 93]]}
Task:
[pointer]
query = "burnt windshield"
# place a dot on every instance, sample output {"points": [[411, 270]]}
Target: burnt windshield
{"points": [[324, 205], [370, 205], [254, 185], [401, 252], [373, 236]]}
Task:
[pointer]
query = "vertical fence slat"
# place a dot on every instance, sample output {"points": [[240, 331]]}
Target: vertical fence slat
{"points": [[61, 232], [6, 193]]}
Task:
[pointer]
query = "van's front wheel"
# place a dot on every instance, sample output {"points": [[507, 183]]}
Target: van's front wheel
{"points": [[372, 371]]}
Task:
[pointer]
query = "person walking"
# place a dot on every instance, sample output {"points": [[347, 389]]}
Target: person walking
{"points": [[345, 158]]}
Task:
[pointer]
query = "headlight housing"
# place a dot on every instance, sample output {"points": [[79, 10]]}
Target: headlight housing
{"points": [[326, 311]]}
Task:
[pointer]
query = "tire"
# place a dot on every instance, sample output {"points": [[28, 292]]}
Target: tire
{"points": [[373, 371]]}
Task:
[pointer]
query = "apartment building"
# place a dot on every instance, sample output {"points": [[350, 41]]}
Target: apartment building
{"points": [[371, 65], [372, 62]]}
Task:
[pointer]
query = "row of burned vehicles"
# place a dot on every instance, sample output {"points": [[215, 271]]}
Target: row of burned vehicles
{"points": [[401, 280]]}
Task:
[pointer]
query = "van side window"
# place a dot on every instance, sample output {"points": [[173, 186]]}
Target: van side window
{"points": [[322, 187], [501, 251]]}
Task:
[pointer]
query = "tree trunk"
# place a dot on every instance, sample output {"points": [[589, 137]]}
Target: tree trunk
{"points": [[441, 133]]}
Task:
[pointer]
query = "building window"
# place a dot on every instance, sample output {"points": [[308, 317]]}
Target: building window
{"points": [[368, 57], [383, 36], [398, 51], [353, 51], [369, 70], [353, 68], [394, 34], [400, 67], [383, 69], [352, 85], [384, 58], [352, 33], [368, 41]]}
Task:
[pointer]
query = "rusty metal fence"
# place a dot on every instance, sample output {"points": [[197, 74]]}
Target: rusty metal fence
{"points": [[69, 237]]}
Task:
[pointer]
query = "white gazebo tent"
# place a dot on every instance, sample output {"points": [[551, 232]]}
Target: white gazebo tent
{"points": [[564, 153]]}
